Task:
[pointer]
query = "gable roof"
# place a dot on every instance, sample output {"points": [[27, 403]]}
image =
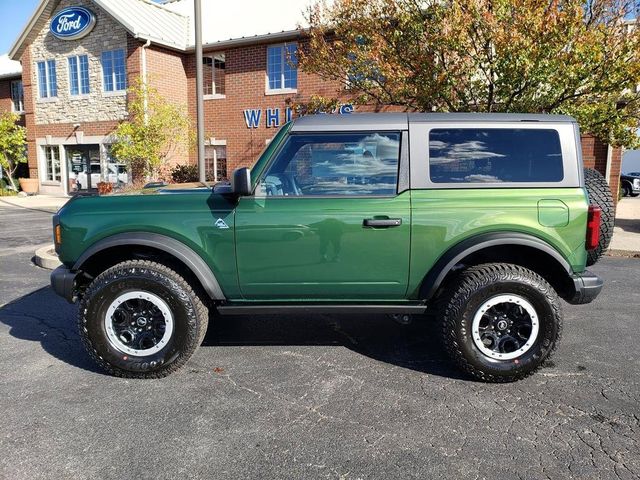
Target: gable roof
{"points": [[143, 19], [170, 23], [150, 21], [244, 20]]}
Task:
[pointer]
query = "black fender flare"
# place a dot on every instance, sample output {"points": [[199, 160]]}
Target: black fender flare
{"points": [[455, 254], [182, 252]]}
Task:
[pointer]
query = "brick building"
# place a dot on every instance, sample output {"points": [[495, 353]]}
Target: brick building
{"points": [[78, 57]]}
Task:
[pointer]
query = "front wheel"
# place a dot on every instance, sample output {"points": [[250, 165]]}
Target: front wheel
{"points": [[140, 319], [501, 322]]}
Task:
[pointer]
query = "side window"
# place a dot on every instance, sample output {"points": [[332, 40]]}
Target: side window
{"points": [[17, 96], [282, 67], [79, 75], [215, 162], [334, 164], [494, 155], [214, 81], [114, 71], [47, 79]]}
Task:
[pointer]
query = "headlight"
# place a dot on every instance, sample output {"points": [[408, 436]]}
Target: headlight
{"points": [[636, 183]]}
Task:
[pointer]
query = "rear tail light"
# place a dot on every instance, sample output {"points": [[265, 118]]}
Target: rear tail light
{"points": [[593, 227]]}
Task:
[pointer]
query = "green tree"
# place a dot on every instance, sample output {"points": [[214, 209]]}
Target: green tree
{"points": [[155, 131], [577, 57], [13, 141]]}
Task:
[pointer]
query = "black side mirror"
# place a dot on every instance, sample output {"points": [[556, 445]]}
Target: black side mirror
{"points": [[241, 181]]}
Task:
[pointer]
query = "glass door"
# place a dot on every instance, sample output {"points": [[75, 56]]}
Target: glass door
{"points": [[83, 165]]}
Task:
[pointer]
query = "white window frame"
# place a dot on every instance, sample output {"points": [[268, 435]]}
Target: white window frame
{"points": [[283, 58], [48, 98], [78, 95], [215, 95], [21, 100], [115, 92], [44, 179], [216, 143]]}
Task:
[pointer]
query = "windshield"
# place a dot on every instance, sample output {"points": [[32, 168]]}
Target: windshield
{"points": [[266, 154]]}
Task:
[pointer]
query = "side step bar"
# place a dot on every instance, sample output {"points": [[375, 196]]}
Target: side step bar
{"points": [[411, 308]]}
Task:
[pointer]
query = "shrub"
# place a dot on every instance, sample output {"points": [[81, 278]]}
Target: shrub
{"points": [[184, 173], [6, 190]]}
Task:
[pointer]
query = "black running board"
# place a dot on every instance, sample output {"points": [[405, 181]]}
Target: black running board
{"points": [[270, 309]]}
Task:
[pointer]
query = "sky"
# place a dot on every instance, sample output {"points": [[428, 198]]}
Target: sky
{"points": [[14, 14]]}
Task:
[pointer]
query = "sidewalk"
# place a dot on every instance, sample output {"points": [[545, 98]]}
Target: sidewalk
{"points": [[46, 203], [626, 234]]}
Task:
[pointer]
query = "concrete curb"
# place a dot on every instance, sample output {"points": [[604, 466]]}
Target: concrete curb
{"points": [[623, 253], [46, 257]]}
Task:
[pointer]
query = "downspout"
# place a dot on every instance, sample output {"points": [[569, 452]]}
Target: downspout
{"points": [[609, 162], [145, 99], [145, 95]]}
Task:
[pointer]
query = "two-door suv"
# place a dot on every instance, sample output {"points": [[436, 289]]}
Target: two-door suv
{"points": [[483, 219]]}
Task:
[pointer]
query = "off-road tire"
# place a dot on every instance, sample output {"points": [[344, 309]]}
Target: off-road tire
{"points": [[600, 195], [478, 284], [190, 317]]}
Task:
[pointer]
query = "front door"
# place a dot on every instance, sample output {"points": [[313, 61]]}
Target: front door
{"points": [[83, 165], [326, 221]]}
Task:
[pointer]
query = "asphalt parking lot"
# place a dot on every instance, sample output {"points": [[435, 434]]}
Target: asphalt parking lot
{"points": [[315, 397]]}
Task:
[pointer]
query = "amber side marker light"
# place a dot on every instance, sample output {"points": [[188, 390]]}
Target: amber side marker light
{"points": [[593, 227], [57, 235]]}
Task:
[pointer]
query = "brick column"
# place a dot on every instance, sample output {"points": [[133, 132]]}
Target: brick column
{"points": [[594, 155]]}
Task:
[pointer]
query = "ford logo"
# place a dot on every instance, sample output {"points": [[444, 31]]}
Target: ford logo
{"points": [[72, 23]]}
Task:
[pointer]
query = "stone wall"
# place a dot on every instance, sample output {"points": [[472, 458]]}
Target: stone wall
{"points": [[97, 105]]}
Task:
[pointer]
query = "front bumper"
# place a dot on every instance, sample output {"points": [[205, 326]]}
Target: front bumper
{"points": [[587, 287], [63, 282]]}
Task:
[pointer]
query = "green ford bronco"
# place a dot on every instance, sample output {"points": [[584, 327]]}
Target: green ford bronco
{"points": [[484, 221]]}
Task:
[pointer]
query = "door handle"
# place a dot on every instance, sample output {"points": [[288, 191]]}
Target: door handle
{"points": [[381, 222]]}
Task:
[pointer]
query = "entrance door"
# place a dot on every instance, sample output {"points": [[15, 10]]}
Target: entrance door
{"points": [[83, 165], [326, 221]]}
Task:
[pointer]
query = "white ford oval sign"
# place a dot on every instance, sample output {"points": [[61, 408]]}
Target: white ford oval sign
{"points": [[72, 23]]}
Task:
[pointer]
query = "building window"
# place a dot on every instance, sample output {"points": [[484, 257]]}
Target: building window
{"points": [[114, 71], [17, 96], [214, 67], [282, 68], [52, 164], [79, 75], [47, 81], [215, 159]]}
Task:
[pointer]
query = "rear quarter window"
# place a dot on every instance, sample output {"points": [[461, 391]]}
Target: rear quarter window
{"points": [[494, 155]]}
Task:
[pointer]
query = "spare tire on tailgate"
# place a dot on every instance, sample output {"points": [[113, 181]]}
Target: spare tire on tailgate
{"points": [[600, 195]]}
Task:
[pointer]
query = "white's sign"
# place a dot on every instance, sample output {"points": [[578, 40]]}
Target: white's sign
{"points": [[273, 116]]}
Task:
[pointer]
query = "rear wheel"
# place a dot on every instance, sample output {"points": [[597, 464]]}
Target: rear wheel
{"points": [[501, 322], [140, 319], [600, 195]]}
